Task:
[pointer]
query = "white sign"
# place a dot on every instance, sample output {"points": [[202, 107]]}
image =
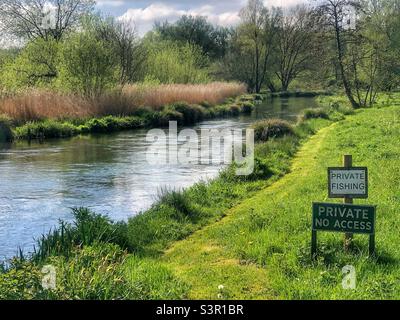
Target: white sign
{"points": [[348, 182]]}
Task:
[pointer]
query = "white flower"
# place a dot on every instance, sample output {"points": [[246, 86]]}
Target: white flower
{"points": [[221, 287]]}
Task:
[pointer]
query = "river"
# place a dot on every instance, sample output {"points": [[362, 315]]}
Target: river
{"points": [[40, 182]]}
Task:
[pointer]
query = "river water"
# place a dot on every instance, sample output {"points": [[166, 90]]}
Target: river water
{"points": [[40, 182]]}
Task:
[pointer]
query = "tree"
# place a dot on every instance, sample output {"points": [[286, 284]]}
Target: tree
{"points": [[87, 65], [35, 65], [196, 31], [46, 19], [252, 46], [333, 14], [172, 62], [296, 44], [123, 40]]}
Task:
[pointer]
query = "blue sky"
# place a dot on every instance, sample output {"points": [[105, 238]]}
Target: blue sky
{"points": [[145, 12]]}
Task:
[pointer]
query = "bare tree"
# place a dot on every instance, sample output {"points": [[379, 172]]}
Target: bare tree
{"points": [[121, 35], [253, 44], [31, 19], [333, 14], [296, 44]]}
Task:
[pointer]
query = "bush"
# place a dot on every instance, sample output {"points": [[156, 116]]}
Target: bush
{"points": [[46, 130], [6, 133], [247, 107], [191, 113], [235, 110], [163, 118], [315, 114], [272, 128], [246, 98]]}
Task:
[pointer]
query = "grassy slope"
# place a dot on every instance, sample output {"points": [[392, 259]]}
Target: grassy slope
{"points": [[261, 249]]}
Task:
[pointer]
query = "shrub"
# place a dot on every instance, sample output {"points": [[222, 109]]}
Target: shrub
{"points": [[246, 98], [342, 108], [163, 118], [272, 128], [191, 113], [247, 107], [315, 114], [46, 129], [6, 133], [206, 104], [235, 110], [258, 97]]}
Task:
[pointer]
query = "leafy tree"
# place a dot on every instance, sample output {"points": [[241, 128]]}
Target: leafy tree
{"points": [[123, 40], [35, 65], [87, 65], [196, 31], [171, 62]]}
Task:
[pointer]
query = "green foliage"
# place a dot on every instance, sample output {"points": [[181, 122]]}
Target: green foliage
{"points": [[61, 129], [87, 65], [169, 62], [101, 271], [191, 113], [315, 114], [45, 130], [247, 107], [87, 229], [272, 128], [35, 65], [196, 31]]}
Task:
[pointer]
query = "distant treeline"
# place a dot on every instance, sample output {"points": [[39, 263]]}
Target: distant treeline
{"points": [[351, 45]]}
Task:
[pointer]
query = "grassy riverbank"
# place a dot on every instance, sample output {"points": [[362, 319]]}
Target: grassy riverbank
{"points": [[174, 217], [252, 236], [262, 249]]}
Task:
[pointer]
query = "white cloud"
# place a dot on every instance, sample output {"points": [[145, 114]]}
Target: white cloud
{"points": [[110, 3], [144, 18]]}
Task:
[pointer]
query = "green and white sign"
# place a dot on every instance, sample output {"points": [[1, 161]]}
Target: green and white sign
{"points": [[346, 218], [348, 182]]}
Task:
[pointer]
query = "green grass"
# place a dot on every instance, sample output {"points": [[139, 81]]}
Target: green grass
{"points": [[262, 248], [251, 235]]}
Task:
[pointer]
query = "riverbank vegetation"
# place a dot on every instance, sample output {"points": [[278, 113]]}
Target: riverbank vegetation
{"points": [[128, 119], [127, 250], [93, 66], [257, 253], [250, 235]]}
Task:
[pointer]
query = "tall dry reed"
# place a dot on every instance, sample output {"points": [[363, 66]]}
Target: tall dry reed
{"points": [[46, 104]]}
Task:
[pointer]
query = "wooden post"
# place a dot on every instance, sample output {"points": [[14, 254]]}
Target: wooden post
{"points": [[313, 244], [372, 245], [348, 237]]}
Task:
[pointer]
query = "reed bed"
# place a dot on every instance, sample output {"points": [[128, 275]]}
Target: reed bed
{"points": [[34, 105]]}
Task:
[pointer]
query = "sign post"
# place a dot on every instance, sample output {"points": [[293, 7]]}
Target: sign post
{"points": [[350, 183], [348, 237]]}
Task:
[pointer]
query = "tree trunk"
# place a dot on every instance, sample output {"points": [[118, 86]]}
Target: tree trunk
{"points": [[346, 84]]}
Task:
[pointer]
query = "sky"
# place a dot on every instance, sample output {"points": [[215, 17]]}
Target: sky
{"points": [[145, 12]]}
